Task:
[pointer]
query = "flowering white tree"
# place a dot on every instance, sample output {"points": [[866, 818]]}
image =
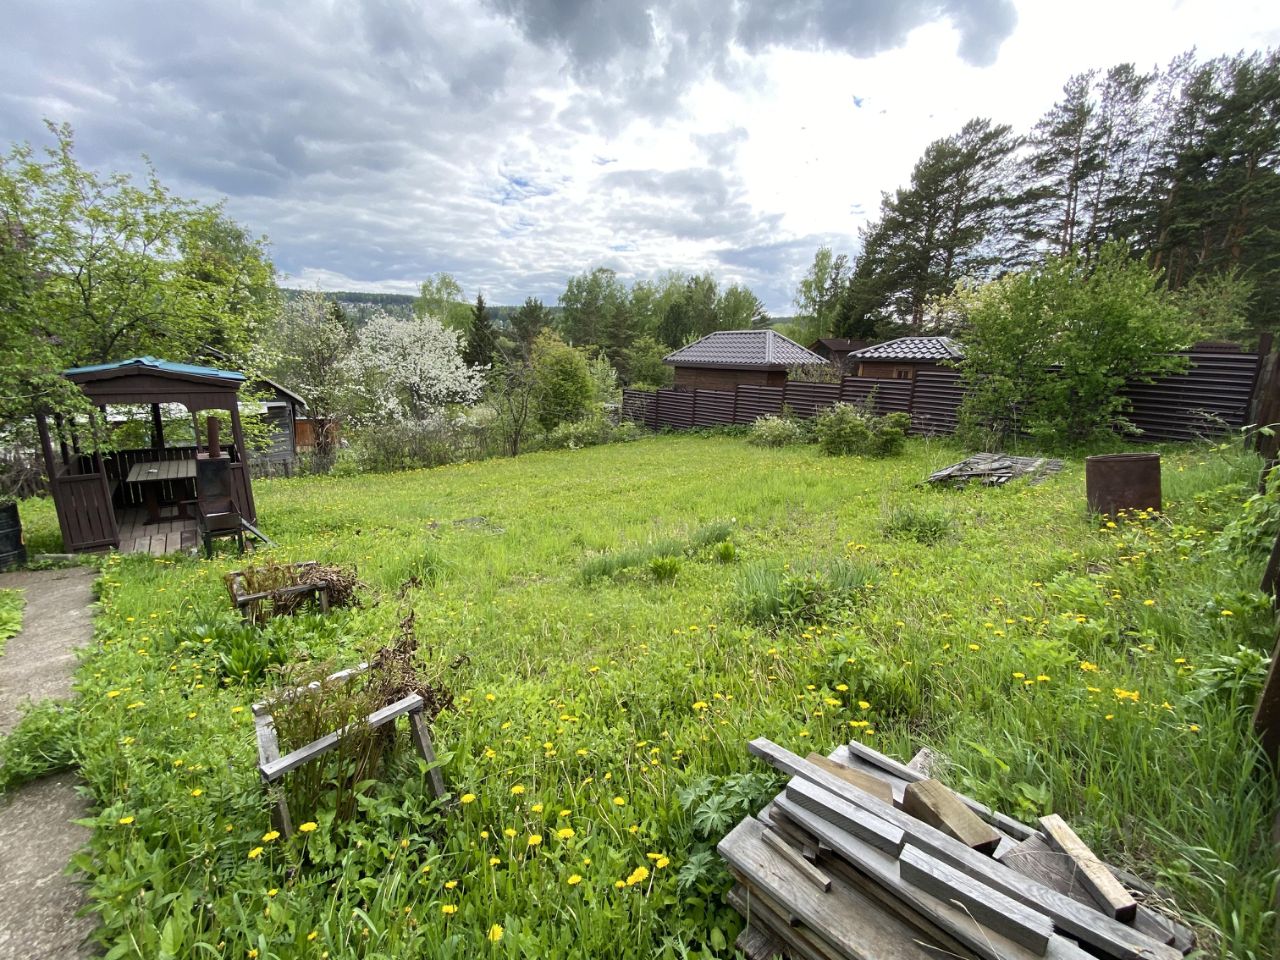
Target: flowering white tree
{"points": [[409, 369]]}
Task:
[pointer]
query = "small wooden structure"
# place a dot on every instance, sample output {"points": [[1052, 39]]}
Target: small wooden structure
{"points": [[249, 603], [727, 358], [99, 494], [272, 766], [903, 358]]}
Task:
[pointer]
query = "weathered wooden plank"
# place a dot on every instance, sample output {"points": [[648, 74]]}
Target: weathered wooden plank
{"points": [[803, 867], [290, 761], [764, 914], [883, 873], [989, 907], [1110, 895], [897, 785], [932, 802], [1009, 825], [850, 805], [843, 920], [422, 740], [872, 784], [1034, 858], [754, 942], [926, 761]]}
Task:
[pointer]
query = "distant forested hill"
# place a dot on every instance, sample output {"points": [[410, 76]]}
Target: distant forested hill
{"points": [[359, 305]]}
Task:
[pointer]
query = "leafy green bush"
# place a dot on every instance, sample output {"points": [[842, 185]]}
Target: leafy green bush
{"points": [[664, 569], [775, 432], [843, 430], [812, 594], [921, 524]]}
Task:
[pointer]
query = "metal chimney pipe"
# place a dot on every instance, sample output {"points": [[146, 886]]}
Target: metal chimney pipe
{"points": [[214, 451]]}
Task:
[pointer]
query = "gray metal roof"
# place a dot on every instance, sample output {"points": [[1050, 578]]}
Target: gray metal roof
{"points": [[913, 348], [743, 350]]}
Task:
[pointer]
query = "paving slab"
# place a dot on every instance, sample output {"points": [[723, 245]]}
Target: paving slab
{"points": [[38, 899]]}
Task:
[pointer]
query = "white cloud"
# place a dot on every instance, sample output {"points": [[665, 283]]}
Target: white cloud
{"points": [[378, 143]]}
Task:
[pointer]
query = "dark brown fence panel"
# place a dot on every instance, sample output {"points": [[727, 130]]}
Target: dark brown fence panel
{"points": [[806, 399], [1210, 398], [935, 399], [756, 402], [638, 406], [84, 512], [712, 408], [891, 396], [674, 409]]}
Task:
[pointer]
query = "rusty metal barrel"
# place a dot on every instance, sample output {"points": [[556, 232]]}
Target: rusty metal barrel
{"points": [[1122, 481]]}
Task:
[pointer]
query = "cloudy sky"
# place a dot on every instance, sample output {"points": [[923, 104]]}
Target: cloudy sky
{"points": [[516, 142]]}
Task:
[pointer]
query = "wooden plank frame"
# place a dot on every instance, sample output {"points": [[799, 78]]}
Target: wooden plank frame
{"points": [[272, 767]]}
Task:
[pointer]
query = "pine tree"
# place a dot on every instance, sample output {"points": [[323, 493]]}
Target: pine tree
{"points": [[479, 349], [528, 322]]}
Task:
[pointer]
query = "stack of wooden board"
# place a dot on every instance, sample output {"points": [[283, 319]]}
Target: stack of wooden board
{"points": [[865, 858], [995, 469]]}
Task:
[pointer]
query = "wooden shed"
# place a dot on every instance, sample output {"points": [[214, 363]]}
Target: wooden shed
{"points": [[727, 358], [135, 498], [903, 358]]}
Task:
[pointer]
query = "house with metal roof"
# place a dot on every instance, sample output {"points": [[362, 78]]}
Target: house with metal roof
{"points": [[903, 358], [836, 349], [727, 358]]}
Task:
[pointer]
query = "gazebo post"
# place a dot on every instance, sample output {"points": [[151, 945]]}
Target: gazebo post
{"points": [[195, 429], [236, 432], [157, 428]]}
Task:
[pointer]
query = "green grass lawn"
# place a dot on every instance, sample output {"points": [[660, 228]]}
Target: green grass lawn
{"points": [[1105, 673]]}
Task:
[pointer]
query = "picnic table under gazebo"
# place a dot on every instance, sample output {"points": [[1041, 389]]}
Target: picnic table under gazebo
{"points": [[137, 499]]}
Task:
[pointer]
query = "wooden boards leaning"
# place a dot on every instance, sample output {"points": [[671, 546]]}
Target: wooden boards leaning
{"points": [[932, 802], [873, 785], [1097, 879]]}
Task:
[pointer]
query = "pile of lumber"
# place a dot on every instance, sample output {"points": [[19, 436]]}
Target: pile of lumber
{"points": [[865, 858], [995, 469]]}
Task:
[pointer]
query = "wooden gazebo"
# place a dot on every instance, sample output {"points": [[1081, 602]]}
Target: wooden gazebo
{"points": [[136, 499]]}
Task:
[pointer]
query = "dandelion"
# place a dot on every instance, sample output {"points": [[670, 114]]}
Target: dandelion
{"points": [[467, 798], [450, 884], [1018, 675], [307, 827], [1042, 678], [449, 909], [574, 879], [975, 647], [564, 813], [619, 884], [1193, 727], [700, 705], [495, 933], [863, 705], [662, 862], [536, 808], [509, 833], [565, 833], [619, 802], [1088, 667], [196, 792], [517, 789], [1227, 613], [535, 839], [1148, 603], [253, 951], [112, 694], [255, 853], [494, 861], [125, 821], [638, 875]]}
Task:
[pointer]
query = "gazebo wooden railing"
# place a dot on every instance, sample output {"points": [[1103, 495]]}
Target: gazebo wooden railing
{"points": [[90, 487]]}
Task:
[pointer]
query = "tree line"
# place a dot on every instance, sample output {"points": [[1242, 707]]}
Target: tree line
{"points": [[1180, 164]]}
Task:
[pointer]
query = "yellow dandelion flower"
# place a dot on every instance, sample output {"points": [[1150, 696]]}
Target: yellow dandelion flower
{"points": [[536, 808], [574, 879], [565, 833], [1227, 613], [255, 853], [495, 933], [450, 884], [196, 792], [448, 909], [619, 802], [312, 935], [638, 875], [509, 832], [1148, 603], [494, 861], [125, 821], [517, 789], [700, 705], [307, 827], [467, 798], [662, 862], [534, 839]]}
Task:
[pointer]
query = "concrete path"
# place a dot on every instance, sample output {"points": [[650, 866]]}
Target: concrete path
{"points": [[38, 901]]}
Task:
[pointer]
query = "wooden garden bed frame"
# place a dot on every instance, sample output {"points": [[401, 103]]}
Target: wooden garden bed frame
{"points": [[272, 767], [248, 603]]}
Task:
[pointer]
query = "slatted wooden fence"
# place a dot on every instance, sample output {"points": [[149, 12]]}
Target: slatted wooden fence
{"points": [[1217, 393]]}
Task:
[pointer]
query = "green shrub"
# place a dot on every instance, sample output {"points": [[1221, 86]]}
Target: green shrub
{"points": [[811, 594], [725, 552], [664, 569], [844, 430], [920, 524], [775, 432]]}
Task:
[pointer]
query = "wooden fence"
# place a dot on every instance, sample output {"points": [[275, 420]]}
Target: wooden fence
{"points": [[1214, 395]]}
